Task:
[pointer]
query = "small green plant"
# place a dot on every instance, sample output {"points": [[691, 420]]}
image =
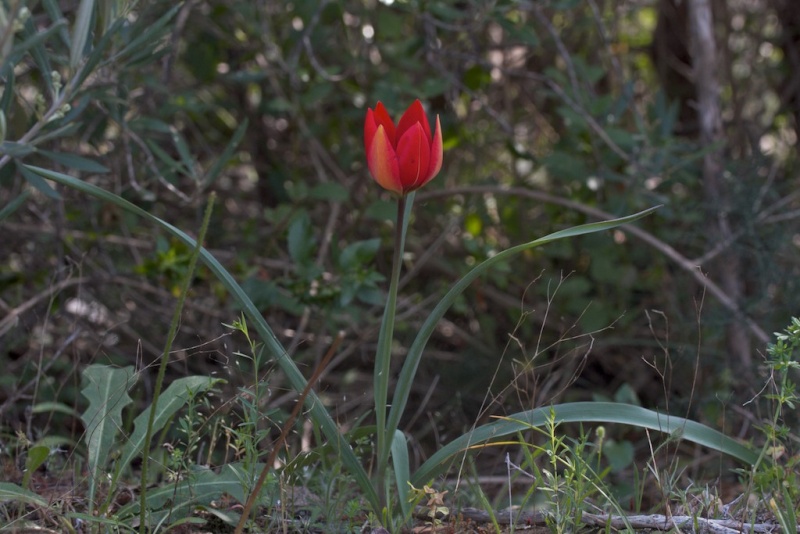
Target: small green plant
{"points": [[775, 474]]}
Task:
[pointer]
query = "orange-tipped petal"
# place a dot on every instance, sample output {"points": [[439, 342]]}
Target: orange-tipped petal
{"points": [[382, 162], [436, 153], [413, 155], [413, 115]]}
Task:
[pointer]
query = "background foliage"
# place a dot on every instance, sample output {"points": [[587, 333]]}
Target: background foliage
{"points": [[553, 114]]}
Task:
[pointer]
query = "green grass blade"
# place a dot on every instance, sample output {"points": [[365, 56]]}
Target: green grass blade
{"points": [[409, 370], [316, 408], [583, 412]]}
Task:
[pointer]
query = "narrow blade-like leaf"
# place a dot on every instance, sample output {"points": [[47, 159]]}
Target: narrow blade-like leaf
{"points": [[409, 370], [582, 412]]}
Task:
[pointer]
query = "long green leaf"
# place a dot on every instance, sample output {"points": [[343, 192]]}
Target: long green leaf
{"points": [[171, 400], [315, 406], [106, 389], [80, 34], [198, 488], [583, 412], [402, 471], [79, 163], [14, 205], [151, 32], [12, 492], [37, 182], [54, 12], [409, 370], [34, 41]]}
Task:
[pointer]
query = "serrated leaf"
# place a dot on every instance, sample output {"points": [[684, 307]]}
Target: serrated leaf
{"points": [[170, 401], [106, 389]]}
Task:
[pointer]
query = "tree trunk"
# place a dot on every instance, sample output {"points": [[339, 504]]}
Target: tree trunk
{"points": [[717, 195]]}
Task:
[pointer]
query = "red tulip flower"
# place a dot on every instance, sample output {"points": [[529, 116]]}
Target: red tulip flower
{"points": [[405, 157]]}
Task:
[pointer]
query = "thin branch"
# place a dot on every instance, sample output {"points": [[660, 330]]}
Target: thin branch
{"points": [[634, 231]]}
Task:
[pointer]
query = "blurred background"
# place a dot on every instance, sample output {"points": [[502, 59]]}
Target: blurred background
{"points": [[554, 113]]}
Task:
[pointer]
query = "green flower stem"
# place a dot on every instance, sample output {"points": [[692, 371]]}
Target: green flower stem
{"points": [[173, 330], [383, 357]]}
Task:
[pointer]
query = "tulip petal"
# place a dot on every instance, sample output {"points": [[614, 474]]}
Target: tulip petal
{"points": [[382, 118], [369, 130], [436, 153], [415, 114], [414, 155], [382, 162]]}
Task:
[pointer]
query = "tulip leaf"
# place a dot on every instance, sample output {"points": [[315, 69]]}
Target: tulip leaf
{"points": [[581, 412], [409, 370]]}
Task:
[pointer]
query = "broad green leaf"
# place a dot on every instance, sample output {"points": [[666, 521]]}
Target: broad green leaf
{"points": [[316, 409], [409, 370], [106, 389], [37, 455], [72, 161], [300, 239], [170, 401], [12, 492], [582, 412]]}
